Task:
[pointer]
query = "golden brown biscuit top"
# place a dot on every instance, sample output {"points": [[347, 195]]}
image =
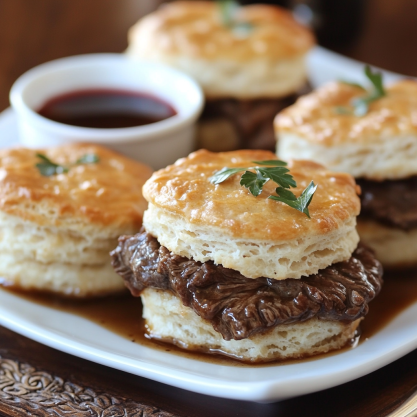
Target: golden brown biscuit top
{"points": [[195, 29], [106, 192], [184, 189], [314, 117]]}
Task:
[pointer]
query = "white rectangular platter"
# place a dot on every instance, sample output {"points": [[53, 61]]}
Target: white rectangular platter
{"points": [[83, 338]]}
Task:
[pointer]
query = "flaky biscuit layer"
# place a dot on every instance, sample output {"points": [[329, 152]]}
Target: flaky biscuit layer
{"points": [[254, 258], [27, 240], [380, 144], [169, 320], [192, 217], [69, 280], [68, 262], [267, 59], [390, 158]]}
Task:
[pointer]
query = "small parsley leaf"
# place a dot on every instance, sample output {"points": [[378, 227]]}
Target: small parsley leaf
{"points": [[284, 193], [47, 168], [301, 203], [353, 84], [228, 10], [88, 158], [254, 182], [224, 174], [50, 169], [273, 162], [44, 158], [279, 175], [361, 104], [376, 79]]}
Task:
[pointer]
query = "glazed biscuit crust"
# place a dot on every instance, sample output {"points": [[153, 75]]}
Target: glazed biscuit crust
{"points": [[314, 117], [184, 189], [382, 144], [265, 60], [104, 194], [196, 29]]}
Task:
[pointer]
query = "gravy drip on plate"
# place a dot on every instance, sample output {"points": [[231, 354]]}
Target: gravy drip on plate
{"points": [[122, 315]]}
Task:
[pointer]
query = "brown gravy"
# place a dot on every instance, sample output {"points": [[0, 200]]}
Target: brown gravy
{"points": [[398, 292], [122, 315]]}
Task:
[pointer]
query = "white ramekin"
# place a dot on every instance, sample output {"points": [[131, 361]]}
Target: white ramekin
{"points": [[157, 144]]}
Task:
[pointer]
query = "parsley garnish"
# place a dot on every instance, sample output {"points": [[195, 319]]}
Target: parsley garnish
{"points": [[88, 158], [228, 9], [301, 203], [361, 104], [48, 168], [254, 182]]}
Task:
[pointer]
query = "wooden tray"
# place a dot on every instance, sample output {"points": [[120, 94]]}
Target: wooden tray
{"points": [[40, 381]]}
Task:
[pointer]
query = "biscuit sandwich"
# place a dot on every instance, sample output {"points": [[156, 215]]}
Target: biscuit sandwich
{"points": [[61, 212], [250, 62], [376, 142], [262, 278]]}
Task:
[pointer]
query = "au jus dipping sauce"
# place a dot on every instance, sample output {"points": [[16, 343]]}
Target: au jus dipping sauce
{"points": [[105, 108]]}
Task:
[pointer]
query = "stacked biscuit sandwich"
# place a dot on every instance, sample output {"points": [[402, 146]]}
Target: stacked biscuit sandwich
{"points": [[373, 136], [61, 211], [250, 62], [229, 262]]}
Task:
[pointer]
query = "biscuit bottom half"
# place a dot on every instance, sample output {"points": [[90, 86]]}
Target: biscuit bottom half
{"points": [[394, 247], [62, 279], [73, 263], [167, 319]]}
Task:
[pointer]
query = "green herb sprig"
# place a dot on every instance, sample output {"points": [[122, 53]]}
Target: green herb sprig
{"points": [[228, 10], [254, 182], [48, 168], [361, 104]]}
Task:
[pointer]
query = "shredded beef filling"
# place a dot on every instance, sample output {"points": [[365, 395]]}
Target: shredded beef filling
{"points": [[392, 202], [251, 120], [239, 307]]}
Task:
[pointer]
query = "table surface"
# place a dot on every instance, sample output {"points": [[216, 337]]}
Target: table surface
{"points": [[35, 377]]}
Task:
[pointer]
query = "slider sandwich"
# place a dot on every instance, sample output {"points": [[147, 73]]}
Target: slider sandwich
{"points": [[61, 212], [370, 133], [250, 62], [243, 256]]}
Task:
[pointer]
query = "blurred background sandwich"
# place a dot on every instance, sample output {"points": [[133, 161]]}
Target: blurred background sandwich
{"points": [[250, 62]]}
